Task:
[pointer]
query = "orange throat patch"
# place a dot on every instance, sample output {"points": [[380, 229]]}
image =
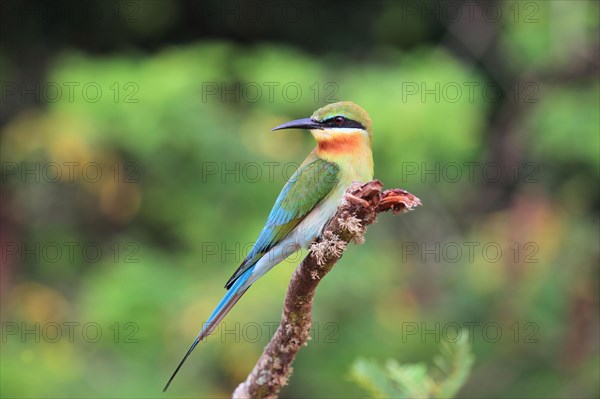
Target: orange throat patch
{"points": [[340, 145]]}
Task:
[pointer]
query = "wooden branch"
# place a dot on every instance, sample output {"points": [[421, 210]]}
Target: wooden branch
{"points": [[363, 203]]}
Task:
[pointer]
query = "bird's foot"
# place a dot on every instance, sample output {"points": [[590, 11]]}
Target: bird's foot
{"points": [[356, 200]]}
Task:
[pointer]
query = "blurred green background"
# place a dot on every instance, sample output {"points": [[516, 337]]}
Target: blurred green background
{"points": [[138, 166]]}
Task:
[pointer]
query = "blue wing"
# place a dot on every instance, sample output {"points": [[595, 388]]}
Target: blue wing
{"points": [[308, 186]]}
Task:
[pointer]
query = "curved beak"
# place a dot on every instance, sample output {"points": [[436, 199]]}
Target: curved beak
{"points": [[304, 123]]}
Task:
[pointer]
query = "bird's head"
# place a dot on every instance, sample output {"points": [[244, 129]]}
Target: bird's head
{"points": [[333, 122]]}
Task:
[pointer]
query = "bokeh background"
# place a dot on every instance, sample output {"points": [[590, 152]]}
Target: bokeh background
{"points": [[138, 166]]}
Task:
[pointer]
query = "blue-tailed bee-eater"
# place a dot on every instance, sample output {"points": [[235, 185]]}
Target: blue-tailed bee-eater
{"points": [[308, 200]]}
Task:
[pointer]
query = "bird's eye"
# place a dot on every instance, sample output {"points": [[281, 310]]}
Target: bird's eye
{"points": [[339, 120]]}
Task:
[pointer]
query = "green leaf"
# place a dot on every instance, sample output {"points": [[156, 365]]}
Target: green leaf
{"points": [[371, 377], [455, 363], [396, 380], [412, 379]]}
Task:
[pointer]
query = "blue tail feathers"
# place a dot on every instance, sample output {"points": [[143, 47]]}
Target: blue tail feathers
{"points": [[229, 300]]}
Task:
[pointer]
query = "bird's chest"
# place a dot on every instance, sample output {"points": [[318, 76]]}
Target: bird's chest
{"points": [[312, 225]]}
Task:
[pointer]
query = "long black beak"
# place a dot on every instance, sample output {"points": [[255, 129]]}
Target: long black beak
{"points": [[304, 123]]}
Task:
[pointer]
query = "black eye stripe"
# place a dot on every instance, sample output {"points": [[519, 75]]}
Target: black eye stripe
{"points": [[348, 123]]}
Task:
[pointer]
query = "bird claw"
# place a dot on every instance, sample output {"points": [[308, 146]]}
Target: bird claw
{"points": [[356, 200], [369, 194]]}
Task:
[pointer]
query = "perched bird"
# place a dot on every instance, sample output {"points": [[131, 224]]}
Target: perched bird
{"points": [[308, 200]]}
